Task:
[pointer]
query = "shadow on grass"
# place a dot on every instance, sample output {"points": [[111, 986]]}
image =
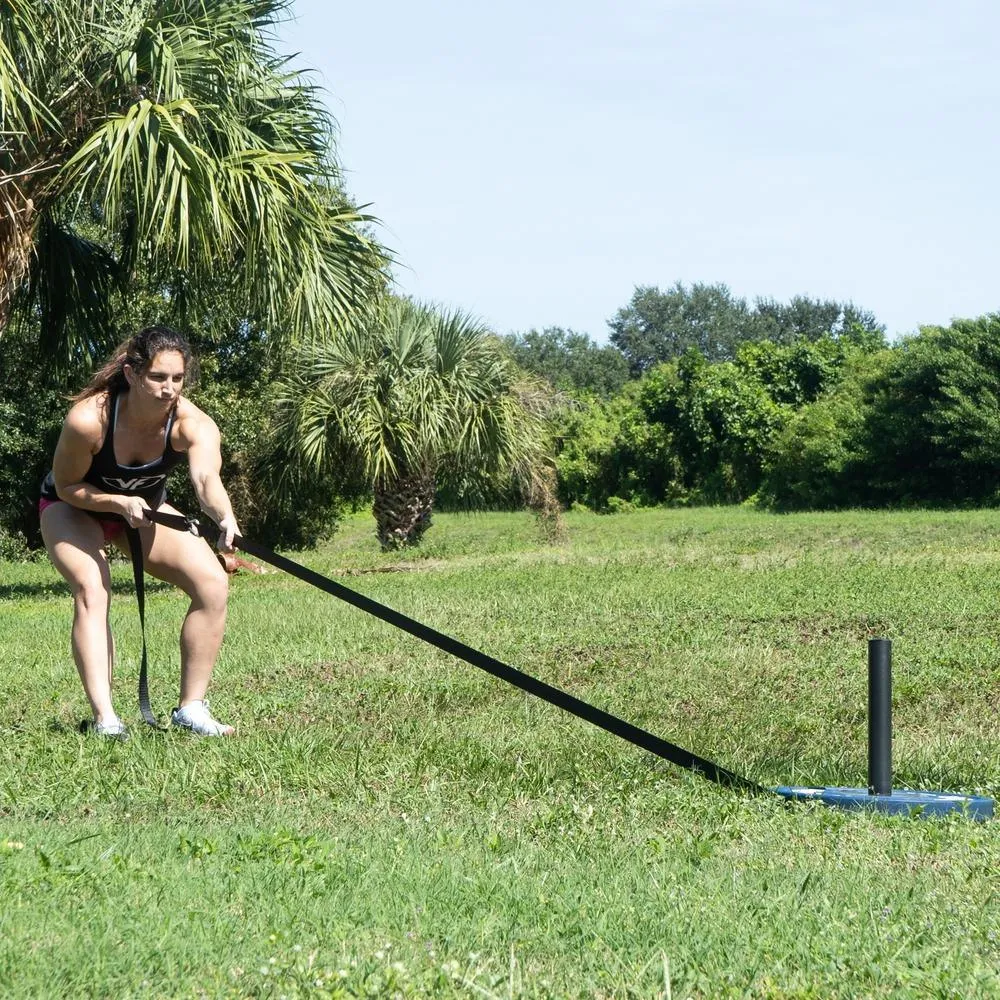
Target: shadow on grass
{"points": [[58, 588], [64, 728]]}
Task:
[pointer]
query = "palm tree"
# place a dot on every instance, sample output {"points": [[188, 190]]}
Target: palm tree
{"points": [[422, 395], [175, 129]]}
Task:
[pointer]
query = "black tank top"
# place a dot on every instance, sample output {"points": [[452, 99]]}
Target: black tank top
{"points": [[148, 481]]}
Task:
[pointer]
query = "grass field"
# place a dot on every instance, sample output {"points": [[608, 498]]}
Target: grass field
{"points": [[393, 822]]}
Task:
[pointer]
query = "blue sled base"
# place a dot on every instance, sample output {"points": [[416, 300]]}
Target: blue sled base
{"points": [[901, 800]]}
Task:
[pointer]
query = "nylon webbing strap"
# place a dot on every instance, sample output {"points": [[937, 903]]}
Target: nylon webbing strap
{"points": [[135, 548], [554, 696]]}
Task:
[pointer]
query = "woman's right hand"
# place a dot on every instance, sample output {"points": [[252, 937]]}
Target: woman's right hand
{"points": [[133, 509]]}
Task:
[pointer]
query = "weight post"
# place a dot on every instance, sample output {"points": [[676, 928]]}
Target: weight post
{"points": [[879, 794]]}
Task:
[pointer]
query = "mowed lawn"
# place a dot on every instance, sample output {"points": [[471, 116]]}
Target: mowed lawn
{"points": [[391, 821]]}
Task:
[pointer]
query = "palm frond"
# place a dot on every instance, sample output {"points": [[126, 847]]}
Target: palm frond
{"points": [[70, 291], [26, 30], [198, 142]]}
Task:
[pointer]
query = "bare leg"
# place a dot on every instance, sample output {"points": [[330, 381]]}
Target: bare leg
{"points": [[188, 562], [201, 639], [74, 541]]}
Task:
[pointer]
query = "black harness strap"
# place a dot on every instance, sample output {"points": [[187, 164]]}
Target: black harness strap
{"points": [[135, 548], [554, 696]]}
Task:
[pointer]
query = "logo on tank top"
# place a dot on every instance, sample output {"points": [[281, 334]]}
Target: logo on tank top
{"points": [[134, 485]]}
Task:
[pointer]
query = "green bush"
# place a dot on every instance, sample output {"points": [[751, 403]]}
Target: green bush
{"points": [[799, 372], [13, 548], [721, 421], [33, 403], [696, 431], [932, 431], [606, 448], [818, 461]]}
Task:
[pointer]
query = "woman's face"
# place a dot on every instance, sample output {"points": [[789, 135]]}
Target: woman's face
{"points": [[163, 380]]}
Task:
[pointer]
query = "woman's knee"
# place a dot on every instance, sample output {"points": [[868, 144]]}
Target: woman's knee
{"points": [[91, 595], [212, 591]]}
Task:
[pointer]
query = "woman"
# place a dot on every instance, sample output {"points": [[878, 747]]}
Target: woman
{"points": [[126, 430]]}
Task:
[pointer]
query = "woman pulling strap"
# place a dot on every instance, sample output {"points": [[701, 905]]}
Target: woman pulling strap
{"points": [[127, 429]]}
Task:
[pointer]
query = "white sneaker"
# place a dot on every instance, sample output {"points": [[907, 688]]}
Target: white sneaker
{"points": [[196, 717], [114, 729]]}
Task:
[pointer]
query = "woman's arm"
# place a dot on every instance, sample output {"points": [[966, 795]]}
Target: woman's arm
{"points": [[201, 435]]}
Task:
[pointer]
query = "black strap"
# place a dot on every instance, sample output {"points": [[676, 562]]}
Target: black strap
{"points": [[554, 696], [135, 548]]}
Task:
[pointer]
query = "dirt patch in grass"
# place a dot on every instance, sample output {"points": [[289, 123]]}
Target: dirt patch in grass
{"points": [[411, 566]]}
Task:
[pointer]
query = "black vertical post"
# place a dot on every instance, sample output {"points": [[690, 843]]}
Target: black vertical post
{"points": [[879, 717]]}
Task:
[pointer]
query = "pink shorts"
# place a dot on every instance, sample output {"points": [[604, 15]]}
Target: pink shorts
{"points": [[111, 528]]}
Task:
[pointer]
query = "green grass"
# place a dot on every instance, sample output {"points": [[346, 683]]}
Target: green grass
{"points": [[391, 821]]}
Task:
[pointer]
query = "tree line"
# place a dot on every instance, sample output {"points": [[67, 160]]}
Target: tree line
{"points": [[804, 405]]}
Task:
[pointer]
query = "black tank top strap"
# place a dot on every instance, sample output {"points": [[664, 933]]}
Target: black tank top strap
{"points": [[106, 453], [168, 448]]}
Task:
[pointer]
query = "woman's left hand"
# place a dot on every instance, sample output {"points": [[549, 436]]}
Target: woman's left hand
{"points": [[227, 529]]}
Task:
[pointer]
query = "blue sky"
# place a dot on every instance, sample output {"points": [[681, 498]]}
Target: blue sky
{"points": [[532, 162]]}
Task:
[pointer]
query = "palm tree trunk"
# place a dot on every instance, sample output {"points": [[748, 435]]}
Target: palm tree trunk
{"points": [[13, 268], [402, 509], [18, 219], [543, 499]]}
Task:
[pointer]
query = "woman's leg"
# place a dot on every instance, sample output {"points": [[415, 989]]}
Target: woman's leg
{"points": [[188, 562], [74, 541]]}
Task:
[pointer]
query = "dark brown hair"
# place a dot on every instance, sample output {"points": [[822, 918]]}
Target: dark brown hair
{"points": [[138, 352]]}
